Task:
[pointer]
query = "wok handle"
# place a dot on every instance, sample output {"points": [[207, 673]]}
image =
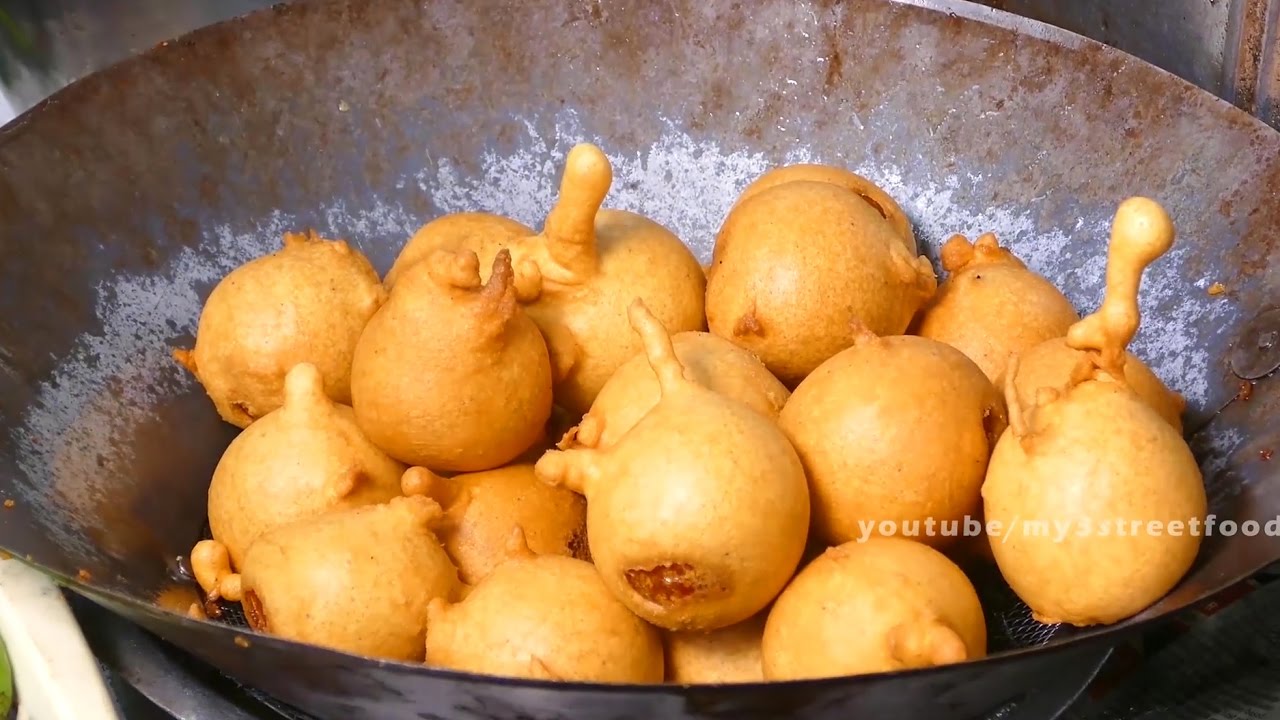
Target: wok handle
{"points": [[57, 678]]}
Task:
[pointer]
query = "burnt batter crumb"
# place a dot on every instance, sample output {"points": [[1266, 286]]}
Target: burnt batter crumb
{"points": [[578, 546], [213, 609], [254, 614]]}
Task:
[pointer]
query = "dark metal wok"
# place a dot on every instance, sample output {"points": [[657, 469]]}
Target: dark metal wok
{"points": [[124, 197]]}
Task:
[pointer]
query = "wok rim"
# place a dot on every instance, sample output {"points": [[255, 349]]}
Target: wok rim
{"points": [[1077, 640], [1107, 636]]}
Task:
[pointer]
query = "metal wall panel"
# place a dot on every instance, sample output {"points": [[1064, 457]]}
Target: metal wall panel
{"points": [[1228, 47]]}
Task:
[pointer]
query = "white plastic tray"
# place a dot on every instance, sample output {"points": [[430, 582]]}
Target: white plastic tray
{"points": [[55, 675]]}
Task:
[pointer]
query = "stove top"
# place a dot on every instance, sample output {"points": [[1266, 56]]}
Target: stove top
{"points": [[152, 680]]}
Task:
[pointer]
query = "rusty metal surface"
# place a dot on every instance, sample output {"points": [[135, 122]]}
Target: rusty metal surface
{"points": [[1222, 46], [1219, 45], [125, 197]]}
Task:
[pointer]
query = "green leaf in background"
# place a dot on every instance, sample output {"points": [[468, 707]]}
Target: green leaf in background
{"points": [[15, 34], [6, 683], [24, 38]]}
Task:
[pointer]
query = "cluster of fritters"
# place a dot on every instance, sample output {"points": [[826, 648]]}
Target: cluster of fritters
{"points": [[577, 454]]}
